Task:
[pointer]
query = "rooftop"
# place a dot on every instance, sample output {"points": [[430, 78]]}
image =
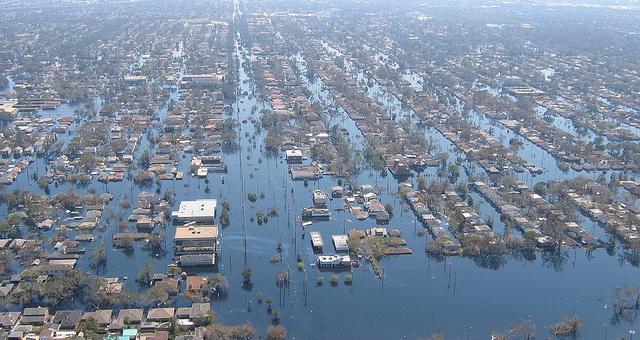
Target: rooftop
{"points": [[196, 232], [294, 153], [202, 209]]}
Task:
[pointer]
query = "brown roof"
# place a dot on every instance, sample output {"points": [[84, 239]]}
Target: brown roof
{"points": [[103, 316], [183, 312], [160, 313], [356, 233], [171, 285], [159, 335], [134, 315], [196, 283]]}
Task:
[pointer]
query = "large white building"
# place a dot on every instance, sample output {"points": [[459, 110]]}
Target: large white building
{"points": [[199, 211], [294, 156]]}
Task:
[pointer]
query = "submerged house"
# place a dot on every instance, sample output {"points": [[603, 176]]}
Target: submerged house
{"points": [[333, 261]]}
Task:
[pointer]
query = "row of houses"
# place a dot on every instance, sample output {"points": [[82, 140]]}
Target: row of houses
{"points": [[154, 323], [618, 218]]}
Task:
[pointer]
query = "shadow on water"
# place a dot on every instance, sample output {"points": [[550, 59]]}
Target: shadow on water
{"points": [[555, 258]]}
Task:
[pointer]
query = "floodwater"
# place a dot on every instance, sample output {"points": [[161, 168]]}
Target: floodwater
{"points": [[459, 296]]}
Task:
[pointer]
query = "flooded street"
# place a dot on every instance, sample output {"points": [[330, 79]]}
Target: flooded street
{"points": [[390, 174]]}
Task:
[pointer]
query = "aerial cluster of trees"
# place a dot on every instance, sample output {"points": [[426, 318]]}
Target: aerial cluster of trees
{"points": [[59, 289]]}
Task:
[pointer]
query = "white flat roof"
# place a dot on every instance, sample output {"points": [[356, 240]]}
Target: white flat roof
{"points": [[294, 153], [340, 242], [202, 208]]}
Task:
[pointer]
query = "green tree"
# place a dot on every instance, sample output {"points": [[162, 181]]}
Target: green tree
{"points": [[144, 160], [422, 183], [388, 207], [99, 256], [145, 275], [156, 295], [247, 273], [540, 188], [6, 261], [156, 241], [64, 287], [217, 285], [89, 328]]}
